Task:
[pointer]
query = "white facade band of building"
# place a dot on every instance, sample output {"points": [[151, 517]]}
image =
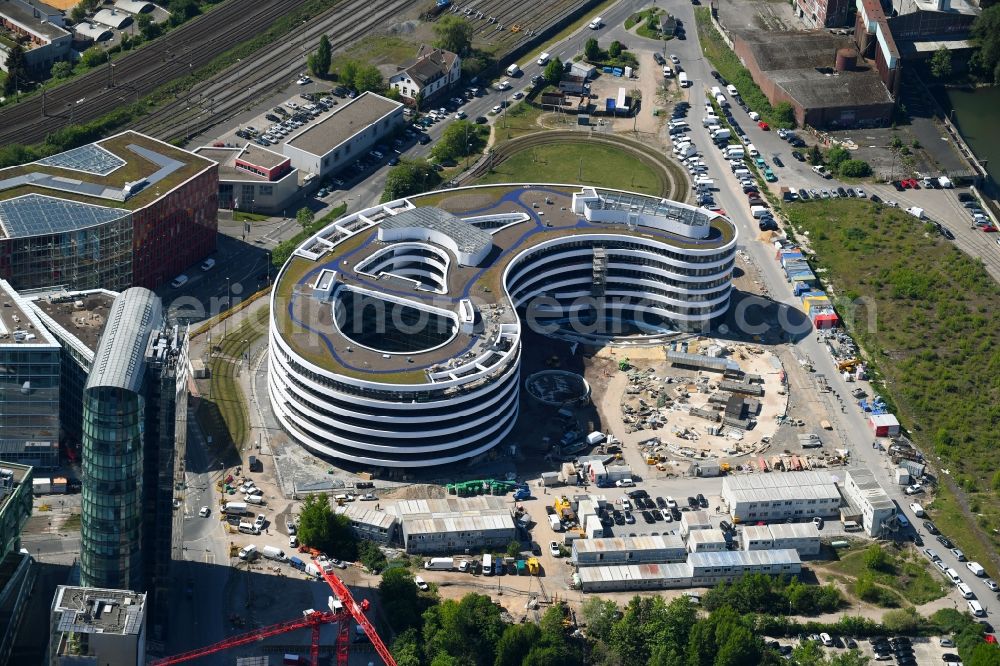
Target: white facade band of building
{"points": [[395, 333]]}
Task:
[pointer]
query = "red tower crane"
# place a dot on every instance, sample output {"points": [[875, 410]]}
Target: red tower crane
{"points": [[342, 611]]}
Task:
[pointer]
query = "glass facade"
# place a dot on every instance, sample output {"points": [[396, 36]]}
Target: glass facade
{"points": [[113, 428], [97, 257], [29, 399]]}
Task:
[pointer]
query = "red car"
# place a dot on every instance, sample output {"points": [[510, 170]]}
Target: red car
{"points": [[989, 229], [764, 126]]}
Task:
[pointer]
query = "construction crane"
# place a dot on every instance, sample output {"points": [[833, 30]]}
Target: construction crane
{"points": [[357, 612], [310, 619], [343, 608]]}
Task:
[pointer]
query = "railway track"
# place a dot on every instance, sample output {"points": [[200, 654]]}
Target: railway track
{"points": [[495, 20], [102, 90], [238, 87], [673, 180]]}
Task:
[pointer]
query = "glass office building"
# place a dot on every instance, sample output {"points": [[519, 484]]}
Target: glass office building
{"points": [[29, 385], [114, 425]]}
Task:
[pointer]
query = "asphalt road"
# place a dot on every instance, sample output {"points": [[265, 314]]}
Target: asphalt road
{"points": [[730, 196]]}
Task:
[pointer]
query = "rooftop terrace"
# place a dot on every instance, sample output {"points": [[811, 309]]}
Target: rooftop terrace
{"points": [[82, 315], [125, 171], [515, 217], [18, 323]]}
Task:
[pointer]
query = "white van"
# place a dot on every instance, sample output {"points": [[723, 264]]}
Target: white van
{"points": [[596, 23], [254, 499], [709, 120], [851, 526], [682, 79], [741, 173], [965, 591], [917, 510], [543, 59], [248, 552], [759, 211], [976, 608], [976, 568], [248, 528], [953, 576], [487, 565], [704, 182], [273, 553], [752, 150], [179, 281], [513, 70], [732, 90]]}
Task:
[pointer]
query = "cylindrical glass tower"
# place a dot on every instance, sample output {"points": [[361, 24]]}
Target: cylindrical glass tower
{"points": [[112, 493]]}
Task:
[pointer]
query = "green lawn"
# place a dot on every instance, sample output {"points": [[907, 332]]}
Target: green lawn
{"points": [[928, 326], [241, 216], [522, 118], [377, 50], [909, 575], [600, 165]]}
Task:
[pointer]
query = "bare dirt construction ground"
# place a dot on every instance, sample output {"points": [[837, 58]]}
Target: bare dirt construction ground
{"points": [[648, 82]]}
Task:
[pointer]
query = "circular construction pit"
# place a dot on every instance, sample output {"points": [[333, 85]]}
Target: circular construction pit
{"points": [[558, 388]]}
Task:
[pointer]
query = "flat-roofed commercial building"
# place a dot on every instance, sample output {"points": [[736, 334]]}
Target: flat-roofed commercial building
{"points": [[253, 178], [17, 570], [802, 537], [124, 211], [395, 332], [865, 493], [629, 550], [41, 29], [103, 627], [706, 541], [29, 385], [709, 569], [370, 523], [781, 495], [345, 135], [625, 577], [455, 524]]}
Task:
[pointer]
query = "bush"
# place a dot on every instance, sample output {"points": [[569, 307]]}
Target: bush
{"points": [[855, 169]]}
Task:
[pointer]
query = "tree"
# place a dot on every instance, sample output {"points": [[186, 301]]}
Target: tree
{"points": [[399, 598], [876, 559], [371, 556], [315, 521], [148, 28], [182, 10], [902, 621], [406, 648], [941, 63], [467, 631], [94, 56], [319, 62], [17, 71], [615, 49], [409, 177], [516, 642], [984, 654], [986, 37], [591, 50], [459, 139], [368, 78], [836, 156], [304, 217], [554, 71], [855, 169], [62, 69], [347, 72], [599, 615], [513, 549], [815, 156], [784, 114], [78, 13], [454, 33]]}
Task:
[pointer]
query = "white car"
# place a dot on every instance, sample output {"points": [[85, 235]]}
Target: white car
{"points": [[205, 512], [460, 115], [674, 59], [826, 639], [368, 497], [303, 80], [518, 95], [259, 523], [990, 583], [496, 109], [914, 489], [208, 264], [917, 510], [503, 85], [671, 503], [293, 541], [421, 583], [554, 549]]}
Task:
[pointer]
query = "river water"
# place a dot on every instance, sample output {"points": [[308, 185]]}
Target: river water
{"points": [[976, 114]]}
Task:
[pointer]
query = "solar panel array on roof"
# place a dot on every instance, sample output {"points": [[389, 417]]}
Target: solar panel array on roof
{"points": [[467, 237], [37, 215], [89, 159]]}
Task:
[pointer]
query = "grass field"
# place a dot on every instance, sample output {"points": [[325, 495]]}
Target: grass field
{"points": [[908, 576], [600, 165], [928, 328], [377, 50], [522, 118], [227, 419]]}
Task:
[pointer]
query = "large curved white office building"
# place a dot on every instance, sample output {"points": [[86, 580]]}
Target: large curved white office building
{"points": [[396, 331]]}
